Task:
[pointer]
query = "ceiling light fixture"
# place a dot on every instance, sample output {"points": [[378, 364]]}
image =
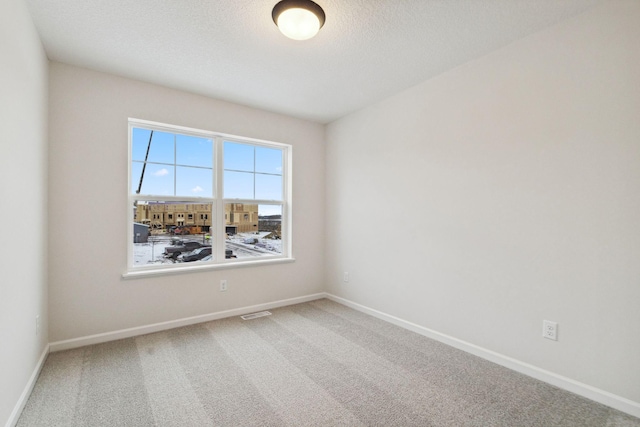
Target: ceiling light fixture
{"points": [[298, 19]]}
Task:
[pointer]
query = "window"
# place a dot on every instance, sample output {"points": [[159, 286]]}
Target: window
{"points": [[233, 191]]}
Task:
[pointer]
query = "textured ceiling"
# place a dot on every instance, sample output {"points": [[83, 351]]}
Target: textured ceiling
{"points": [[231, 50]]}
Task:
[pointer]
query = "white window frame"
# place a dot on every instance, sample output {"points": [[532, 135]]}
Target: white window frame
{"points": [[218, 203]]}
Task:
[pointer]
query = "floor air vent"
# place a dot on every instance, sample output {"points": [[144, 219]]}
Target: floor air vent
{"points": [[256, 315]]}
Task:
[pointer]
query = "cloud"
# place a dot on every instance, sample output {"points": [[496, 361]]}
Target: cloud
{"points": [[161, 172], [197, 189]]}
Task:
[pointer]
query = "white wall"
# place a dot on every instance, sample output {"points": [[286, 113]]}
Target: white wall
{"points": [[23, 165], [88, 207], [502, 193]]}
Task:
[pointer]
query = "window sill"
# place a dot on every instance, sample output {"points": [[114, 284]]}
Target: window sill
{"points": [[142, 273]]}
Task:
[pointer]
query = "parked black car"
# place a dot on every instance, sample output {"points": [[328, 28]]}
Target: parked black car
{"points": [[196, 254], [174, 250], [228, 253]]}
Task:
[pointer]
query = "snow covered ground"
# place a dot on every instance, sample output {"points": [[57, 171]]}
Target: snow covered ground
{"points": [[243, 245]]}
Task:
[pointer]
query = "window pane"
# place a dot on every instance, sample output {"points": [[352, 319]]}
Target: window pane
{"points": [[139, 142], [136, 171], [195, 182], [157, 179], [162, 231], [239, 157], [161, 149], [194, 151], [253, 231], [238, 185], [268, 187], [269, 160]]}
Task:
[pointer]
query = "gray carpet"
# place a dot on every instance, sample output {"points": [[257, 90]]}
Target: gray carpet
{"points": [[312, 364]]}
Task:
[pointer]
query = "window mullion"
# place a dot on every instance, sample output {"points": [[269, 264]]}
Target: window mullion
{"points": [[219, 204], [254, 172], [175, 169]]}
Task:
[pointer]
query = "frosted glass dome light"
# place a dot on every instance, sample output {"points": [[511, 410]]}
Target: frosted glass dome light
{"points": [[298, 19]]}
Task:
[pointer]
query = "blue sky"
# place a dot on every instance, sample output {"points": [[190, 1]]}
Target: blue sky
{"points": [[181, 165]]}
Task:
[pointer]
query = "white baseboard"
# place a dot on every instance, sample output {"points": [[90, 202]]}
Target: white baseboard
{"points": [[163, 326], [609, 399], [24, 397]]}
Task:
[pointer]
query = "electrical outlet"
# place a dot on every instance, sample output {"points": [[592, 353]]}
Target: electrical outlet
{"points": [[550, 330], [345, 278], [38, 325], [223, 285]]}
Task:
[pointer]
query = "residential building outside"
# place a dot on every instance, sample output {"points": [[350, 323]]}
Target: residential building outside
{"points": [[239, 217]]}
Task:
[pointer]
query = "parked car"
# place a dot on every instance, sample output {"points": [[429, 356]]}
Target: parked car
{"points": [[174, 250], [228, 254], [196, 254]]}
